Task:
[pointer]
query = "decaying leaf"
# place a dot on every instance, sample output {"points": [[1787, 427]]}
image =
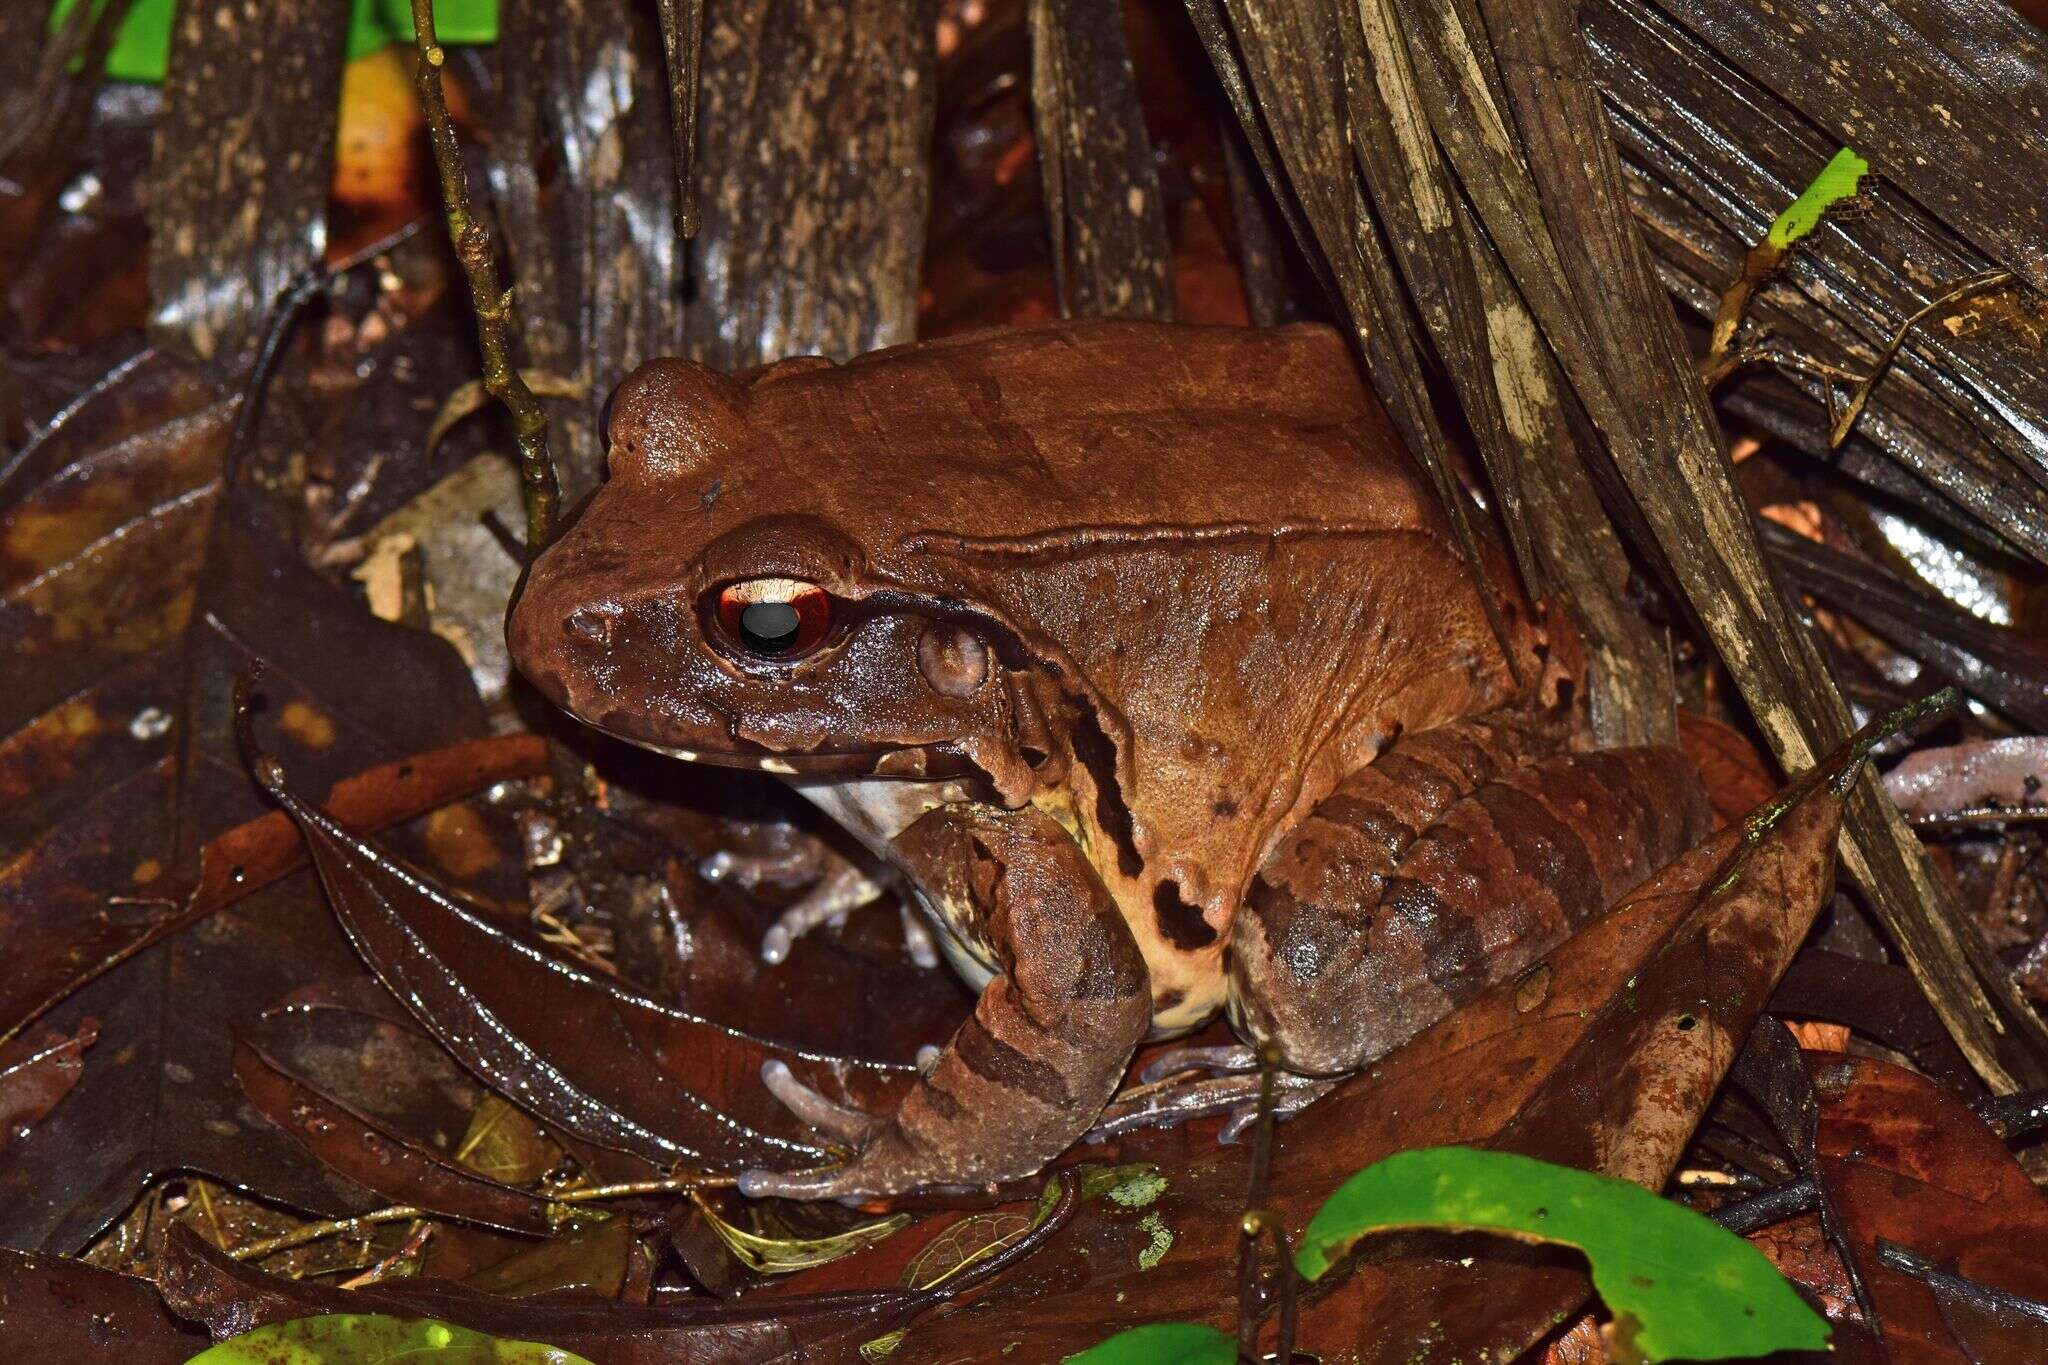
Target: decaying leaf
{"points": [[57, 1308], [662, 1083], [401, 1171], [259, 851], [783, 1255], [33, 1079], [202, 1285], [1909, 1164], [136, 589]]}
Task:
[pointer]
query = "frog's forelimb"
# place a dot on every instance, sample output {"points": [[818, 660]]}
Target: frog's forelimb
{"points": [[1049, 1039]]}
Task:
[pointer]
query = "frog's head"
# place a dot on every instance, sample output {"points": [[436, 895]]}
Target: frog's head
{"points": [[713, 601]]}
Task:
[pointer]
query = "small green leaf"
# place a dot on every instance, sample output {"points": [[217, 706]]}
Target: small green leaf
{"points": [[1161, 1343], [1836, 182], [372, 1339], [142, 43], [1678, 1285], [455, 21]]}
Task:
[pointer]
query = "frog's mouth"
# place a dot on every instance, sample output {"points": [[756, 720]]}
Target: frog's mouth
{"points": [[910, 762]]}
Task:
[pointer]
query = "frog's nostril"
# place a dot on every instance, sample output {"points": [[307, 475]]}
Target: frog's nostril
{"points": [[593, 623]]}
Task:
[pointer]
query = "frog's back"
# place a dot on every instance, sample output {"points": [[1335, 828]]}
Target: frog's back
{"points": [[1016, 435]]}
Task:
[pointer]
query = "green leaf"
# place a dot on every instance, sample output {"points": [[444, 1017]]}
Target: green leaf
{"points": [[142, 44], [374, 1339], [1161, 1343], [1836, 182], [1677, 1284], [455, 21]]}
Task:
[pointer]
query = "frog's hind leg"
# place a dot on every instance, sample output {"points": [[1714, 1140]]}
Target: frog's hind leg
{"points": [[1434, 874], [1049, 1038]]}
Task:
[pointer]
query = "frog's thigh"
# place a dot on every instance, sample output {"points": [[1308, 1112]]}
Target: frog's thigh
{"points": [[1367, 923], [1049, 1038]]}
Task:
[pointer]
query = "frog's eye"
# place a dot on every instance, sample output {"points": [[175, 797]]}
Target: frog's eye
{"points": [[775, 618]]}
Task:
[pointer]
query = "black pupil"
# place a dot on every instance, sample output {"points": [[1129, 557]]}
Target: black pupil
{"points": [[769, 627]]}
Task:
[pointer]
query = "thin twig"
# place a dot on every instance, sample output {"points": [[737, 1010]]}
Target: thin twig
{"points": [[277, 330], [682, 43], [1979, 817], [2012, 1116], [1773, 1205], [398, 1213], [1988, 1297], [1954, 294], [415, 1242], [493, 303], [1259, 1222]]}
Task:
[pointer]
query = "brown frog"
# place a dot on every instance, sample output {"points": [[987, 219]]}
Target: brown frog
{"points": [[1143, 654]]}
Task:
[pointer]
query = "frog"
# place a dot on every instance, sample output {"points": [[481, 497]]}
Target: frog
{"points": [[1146, 657]]}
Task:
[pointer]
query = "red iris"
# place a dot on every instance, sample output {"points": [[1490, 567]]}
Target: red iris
{"points": [[775, 619]]}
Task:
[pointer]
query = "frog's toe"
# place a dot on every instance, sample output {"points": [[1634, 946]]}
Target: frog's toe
{"points": [[917, 937], [828, 1183], [1291, 1095], [755, 871], [1226, 1059], [841, 1121], [1181, 1094], [846, 888]]}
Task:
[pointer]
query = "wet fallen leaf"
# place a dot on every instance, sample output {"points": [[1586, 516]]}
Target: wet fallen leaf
{"points": [[590, 1259], [131, 593], [202, 1285], [58, 1309], [33, 1079], [662, 1083], [399, 1170], [505, 1144], [1771, 1073], [1908, 1163], [1876, 999], [784, 1255], [249, 857]]}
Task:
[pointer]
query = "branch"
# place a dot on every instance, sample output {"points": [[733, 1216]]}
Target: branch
{"points": [[472, 241]]}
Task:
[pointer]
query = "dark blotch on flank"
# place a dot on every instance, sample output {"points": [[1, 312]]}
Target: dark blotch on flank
{"points": [[1180, 924], [1098, 756]]}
